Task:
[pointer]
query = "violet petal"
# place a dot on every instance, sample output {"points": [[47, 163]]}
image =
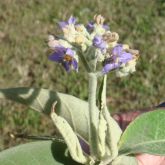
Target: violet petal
{"points": [[70, 52], [72, 20], [109, 67]]}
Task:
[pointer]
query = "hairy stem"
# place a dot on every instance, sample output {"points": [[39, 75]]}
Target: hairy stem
{"points": [[92, 113]]}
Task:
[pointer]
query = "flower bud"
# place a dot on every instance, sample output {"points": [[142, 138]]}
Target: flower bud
{"points": [[79, 39], [52, 43], [99, 19], [110, 37]]}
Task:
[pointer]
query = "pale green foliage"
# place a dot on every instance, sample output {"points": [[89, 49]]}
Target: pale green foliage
{"points": [[113, 131], [145, 135], [125, 160], [37, 153], [68, 111], [71, 110], [70, 138], [74, 110], [101, 139]]}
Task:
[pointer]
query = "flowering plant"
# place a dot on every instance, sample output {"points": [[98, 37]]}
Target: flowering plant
{"points": [[87, 129]]}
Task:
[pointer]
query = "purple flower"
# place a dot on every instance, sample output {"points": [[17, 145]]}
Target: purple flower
{"points": [[65, 56], [71, 20], [98, 42], [109, 67], [119, 57], [90, 26], [106, 27]]}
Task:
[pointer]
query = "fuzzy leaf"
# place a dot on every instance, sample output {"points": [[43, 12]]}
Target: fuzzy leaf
{"points": [[41, 153], [113, 130], [74, 110], [125, 160], [102, 93], [70, 138], [146, 134], [101, 137], [113, 134]]}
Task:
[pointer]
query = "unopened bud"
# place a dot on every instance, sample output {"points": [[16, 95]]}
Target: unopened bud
{"points": [[110, 37], [99, 19], [133, 51], [79, 39], [79, 28], [51, 38], [53, 43], [126, 47]]}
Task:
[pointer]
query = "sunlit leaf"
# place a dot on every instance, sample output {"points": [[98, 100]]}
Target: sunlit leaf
{"points": [[41, 153], [145, 135], [74, 110], [125, 160], [113, 130], [70, 138]]}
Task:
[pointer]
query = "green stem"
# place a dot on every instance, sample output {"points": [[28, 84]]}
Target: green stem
{"points": [[92, 113]]}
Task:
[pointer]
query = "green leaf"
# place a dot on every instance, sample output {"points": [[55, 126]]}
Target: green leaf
{"points": [[113, 134], [125, 160], [74, 110], [113, 130], [145, 135], [102, 93], [70, 138], [41, 153], [38, 99]]}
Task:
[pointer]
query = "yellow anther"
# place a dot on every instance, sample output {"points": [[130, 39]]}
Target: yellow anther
{"points": [[68, 58]]}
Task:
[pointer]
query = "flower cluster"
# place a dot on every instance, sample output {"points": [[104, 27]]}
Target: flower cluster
{"points": [[95, 36]]}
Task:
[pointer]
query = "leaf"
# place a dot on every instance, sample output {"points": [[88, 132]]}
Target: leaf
{"points": [[145, 135], [74, 110], [101, 136], [113, 130], [125, 160], [113, 134], [38, 99], [70, 138], [102, 93], [37, 153]]}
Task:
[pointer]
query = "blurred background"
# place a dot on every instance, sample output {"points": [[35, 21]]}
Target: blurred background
{"points": [[24, 27]]}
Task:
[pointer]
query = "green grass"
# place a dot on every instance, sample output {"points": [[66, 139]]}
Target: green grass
{"points": [[24, 26]]}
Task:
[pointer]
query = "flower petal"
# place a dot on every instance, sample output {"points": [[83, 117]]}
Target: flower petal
{"points": [[106, 27], [72, 20], [109, 67], [117, 50], [90, 26], [56, 57], [62, 24], [99, 42], [125, 57], [66, 65], [69, 52], [75, 64]]}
